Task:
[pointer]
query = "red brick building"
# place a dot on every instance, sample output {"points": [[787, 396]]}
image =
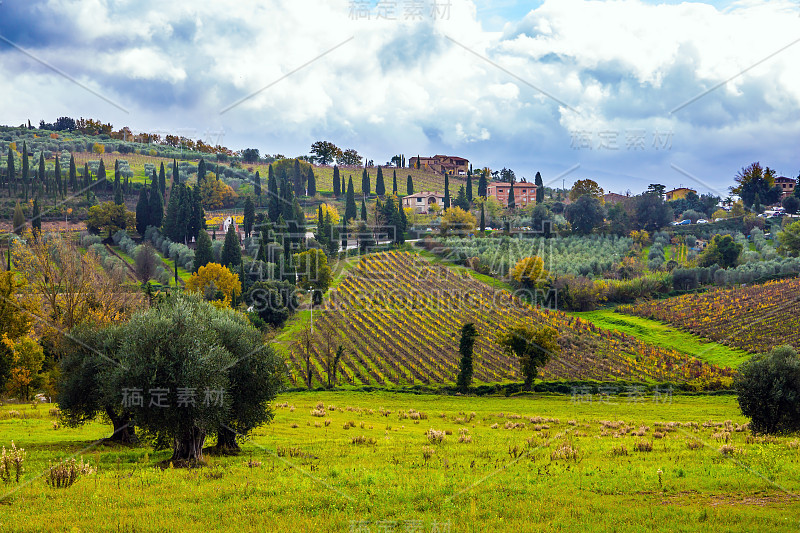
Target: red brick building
{"points": [[524, 192]]}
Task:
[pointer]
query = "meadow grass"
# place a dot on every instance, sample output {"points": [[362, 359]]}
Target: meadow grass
{"points": [[372, 461]]}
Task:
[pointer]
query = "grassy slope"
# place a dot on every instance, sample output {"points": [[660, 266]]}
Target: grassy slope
{"points": [[333, 485], [483, 278], [661, 334]]}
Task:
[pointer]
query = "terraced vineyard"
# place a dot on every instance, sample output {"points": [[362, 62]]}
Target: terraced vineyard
{"points": [[755, 318], [402, 315]]}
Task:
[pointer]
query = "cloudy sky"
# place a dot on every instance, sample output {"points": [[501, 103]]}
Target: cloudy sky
{"points": [[626, 92]]}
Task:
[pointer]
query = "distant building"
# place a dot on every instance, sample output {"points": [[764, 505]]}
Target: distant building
{"points": [[524, 192], [787, 185], [614, 198], [677, 194], [227, 222], [442, 164], [421, 201]]}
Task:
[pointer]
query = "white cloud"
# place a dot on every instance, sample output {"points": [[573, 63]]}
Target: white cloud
{"points": [[404, 86]]}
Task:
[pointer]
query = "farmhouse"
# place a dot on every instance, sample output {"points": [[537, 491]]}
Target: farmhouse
{"points": [[680, 192], [787, 185], [442, 164], [422, 201], [524, 192]]}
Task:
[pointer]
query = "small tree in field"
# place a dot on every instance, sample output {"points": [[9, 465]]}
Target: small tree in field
{"points": [[534, 346], [145, 262], [465, 346], [768, 391]]}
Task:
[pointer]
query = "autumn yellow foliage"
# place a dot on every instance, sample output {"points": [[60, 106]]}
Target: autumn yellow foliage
{"points": [[529, 271], [214, 278], [216, 195], [326, 209]]}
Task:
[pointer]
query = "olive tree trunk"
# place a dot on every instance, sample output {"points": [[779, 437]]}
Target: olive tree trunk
{"points": [[124, 430], [189, 446]]}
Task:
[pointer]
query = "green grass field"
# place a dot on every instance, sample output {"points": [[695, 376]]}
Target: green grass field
{"points": [[660, 334], [527, 463]]}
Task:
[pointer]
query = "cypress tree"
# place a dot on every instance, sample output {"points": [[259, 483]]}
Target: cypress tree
{"points": [[410, 185], [403, 221], [176, 176], [198, 215], [343, 188], [42, 173], [336, 185], [118, 198], [12, 174], [321, 233], [447, 191], [394, 182], [201, 171], [312, 183], [142, 212], [257, 187], [482, 185], [25, 169], [465, 347], [87, 177], [539, 188], [380, 188], [350, 202], [185, 208], [171, 225], [274, 199], [231, 251], [73, 173], [249, 216], [363, 210], [483, 220], [101, 174], [297, 179], [342, 233], [469, 188], [36, 220], [461, 199], [364, 182], [155, 203], [512, 203], [59, 185], [162, 180], [19, 220]]}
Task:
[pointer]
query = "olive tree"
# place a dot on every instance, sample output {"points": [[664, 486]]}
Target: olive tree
{"points": [[184, 370]]}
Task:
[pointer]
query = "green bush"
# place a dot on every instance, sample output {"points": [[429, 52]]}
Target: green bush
{"points": [[768, 389]]}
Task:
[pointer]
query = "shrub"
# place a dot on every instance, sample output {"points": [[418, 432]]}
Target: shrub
{"points": [[63, 475], [768, 388], [12, 460], [434, 436]]}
